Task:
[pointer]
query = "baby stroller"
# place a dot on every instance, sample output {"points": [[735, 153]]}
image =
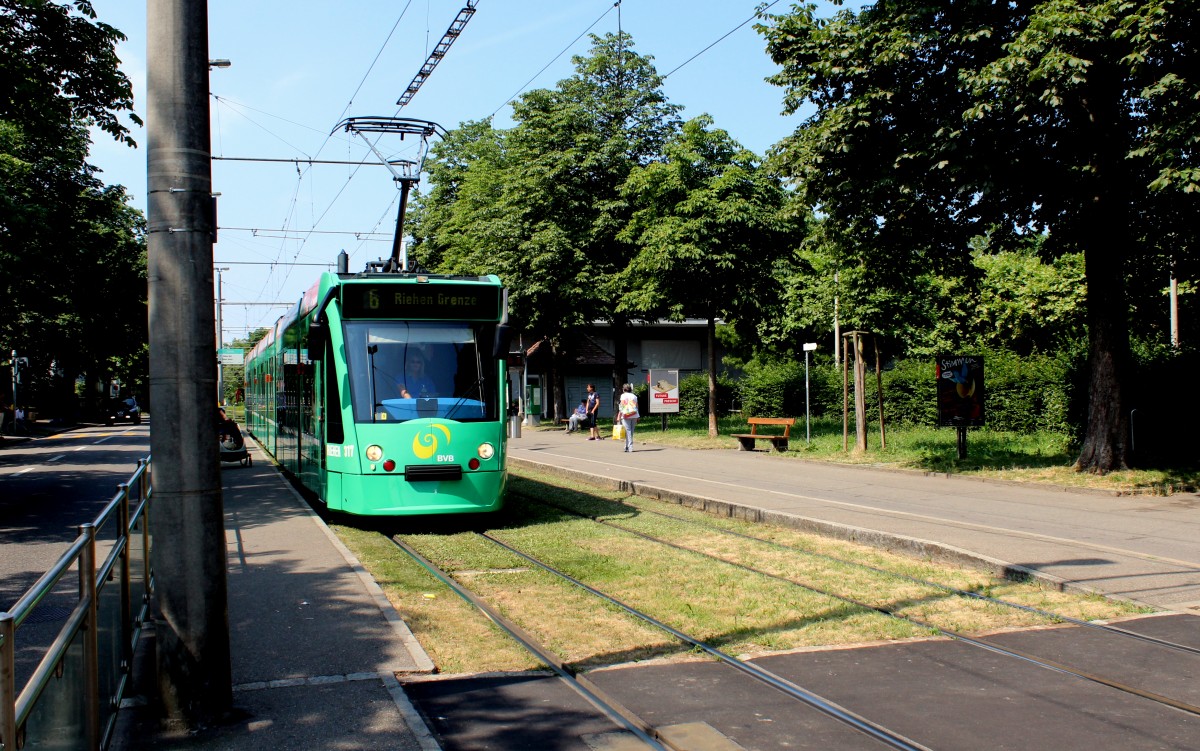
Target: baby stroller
{"points": [[233, 446]]}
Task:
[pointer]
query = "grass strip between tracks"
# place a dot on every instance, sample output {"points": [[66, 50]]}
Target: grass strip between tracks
{"points": [[738, 612]]}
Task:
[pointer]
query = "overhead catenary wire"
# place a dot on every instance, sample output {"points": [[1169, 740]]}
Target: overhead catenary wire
{"points": [[517, 93], [260, 232], [264, 263], [757, 14], [326, 138], [291, 233]]}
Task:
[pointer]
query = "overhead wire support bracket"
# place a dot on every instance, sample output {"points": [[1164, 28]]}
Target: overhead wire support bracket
{"points": [[439, 52]]}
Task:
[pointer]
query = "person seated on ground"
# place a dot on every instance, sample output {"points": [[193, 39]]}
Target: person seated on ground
{"points": [[228, 433], [415, 384], [577, 417]]}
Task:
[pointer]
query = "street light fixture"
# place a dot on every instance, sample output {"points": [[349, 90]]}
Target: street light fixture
{"points": [[221, 63], [808, 347]]}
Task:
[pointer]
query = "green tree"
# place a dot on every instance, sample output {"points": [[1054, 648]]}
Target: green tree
{"points": [[936, 123], [72, 250], [540, 205], [707, 225]]}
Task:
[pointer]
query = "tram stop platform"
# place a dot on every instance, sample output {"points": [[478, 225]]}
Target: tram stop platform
{"points": [[315, 645]]}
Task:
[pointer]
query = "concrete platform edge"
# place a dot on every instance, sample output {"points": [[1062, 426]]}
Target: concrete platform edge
{"points": [[416, 723], [414, 648]]}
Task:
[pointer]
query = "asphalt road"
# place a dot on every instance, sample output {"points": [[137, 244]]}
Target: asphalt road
{"points": [[48, 487]]}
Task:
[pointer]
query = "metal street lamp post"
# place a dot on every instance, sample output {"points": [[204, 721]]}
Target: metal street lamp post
{"points": [[808, 347]]}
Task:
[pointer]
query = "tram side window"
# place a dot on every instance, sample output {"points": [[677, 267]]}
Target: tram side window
{"points": [[335, 431]]}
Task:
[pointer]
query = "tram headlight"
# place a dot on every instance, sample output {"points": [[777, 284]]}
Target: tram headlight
{"points": [[486, 451], [374, 452]]}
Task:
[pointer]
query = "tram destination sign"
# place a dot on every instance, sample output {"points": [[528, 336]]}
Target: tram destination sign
{"points": [[440, 302]]}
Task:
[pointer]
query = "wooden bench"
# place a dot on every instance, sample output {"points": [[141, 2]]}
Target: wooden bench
{"points": [[778, 440]]}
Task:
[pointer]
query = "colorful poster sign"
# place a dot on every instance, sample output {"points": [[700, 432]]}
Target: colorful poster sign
{"points": [[662, 393], [960, 392]]}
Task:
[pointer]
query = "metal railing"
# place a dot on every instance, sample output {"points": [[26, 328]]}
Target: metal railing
{"points": [[71, 699]]}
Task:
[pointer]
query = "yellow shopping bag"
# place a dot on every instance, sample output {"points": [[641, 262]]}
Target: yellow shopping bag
{"points": [[618, 431]]}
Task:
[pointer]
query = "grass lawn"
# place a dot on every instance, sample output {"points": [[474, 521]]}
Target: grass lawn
{"points": [[1041, 457]]}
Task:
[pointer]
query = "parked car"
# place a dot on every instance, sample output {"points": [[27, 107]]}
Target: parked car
{"points": [[123, 410]]}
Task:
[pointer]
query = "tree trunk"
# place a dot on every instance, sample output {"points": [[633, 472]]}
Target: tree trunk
{"points": [[1106, 442], [620, 375], [1102, 230], [712, 377]]}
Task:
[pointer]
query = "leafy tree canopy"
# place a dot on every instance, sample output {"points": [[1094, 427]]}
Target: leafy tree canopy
{"points": [[72, 249], [937, 123]]}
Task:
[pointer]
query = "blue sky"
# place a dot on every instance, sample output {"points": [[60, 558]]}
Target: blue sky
{"points": [[299, 67]]}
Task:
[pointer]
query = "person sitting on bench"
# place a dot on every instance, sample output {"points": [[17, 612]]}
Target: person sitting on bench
{"points": [[575, 421]]}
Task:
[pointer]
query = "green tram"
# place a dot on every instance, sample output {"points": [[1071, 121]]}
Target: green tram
{"points": [[384, 393]]}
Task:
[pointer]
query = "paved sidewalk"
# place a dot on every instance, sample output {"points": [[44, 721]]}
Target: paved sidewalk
{"points": [[315, 645], [1142, 548]]}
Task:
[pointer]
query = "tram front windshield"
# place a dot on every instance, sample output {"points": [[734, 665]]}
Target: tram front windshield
{"points": [[404, 370]]}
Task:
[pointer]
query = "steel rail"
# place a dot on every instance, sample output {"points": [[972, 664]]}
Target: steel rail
{"points": [[917, 580], [817, 702], [981, 643], [618, 713]]}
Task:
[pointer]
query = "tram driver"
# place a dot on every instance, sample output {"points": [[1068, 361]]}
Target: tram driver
{"points": [[415, 383]]}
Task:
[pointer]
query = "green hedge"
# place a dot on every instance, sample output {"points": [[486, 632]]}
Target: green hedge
{"points": [[1023, 394], [693, 395]]}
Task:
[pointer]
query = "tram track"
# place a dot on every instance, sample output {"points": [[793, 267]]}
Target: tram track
{"points": [[1059, 617], [980, 643], [612, 696], [621, 714]]}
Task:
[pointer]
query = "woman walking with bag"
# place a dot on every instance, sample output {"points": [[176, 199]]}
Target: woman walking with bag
{"points": [[628, 409]]}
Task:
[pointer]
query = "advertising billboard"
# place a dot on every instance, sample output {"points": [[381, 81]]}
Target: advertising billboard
{"points": [[960, 391], [662, 393]]}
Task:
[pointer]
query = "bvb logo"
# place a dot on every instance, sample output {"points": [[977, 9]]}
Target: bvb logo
{"points": [[425, 445], [373, 300]]}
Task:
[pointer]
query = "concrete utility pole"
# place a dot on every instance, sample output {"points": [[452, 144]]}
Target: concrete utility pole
{"points": [[192, 623]]}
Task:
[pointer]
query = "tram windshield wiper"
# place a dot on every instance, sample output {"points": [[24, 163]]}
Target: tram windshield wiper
{"points": [[468, 394]]}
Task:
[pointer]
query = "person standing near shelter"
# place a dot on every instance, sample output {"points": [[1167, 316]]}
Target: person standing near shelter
{"points": [[593, 411], [628, 410]]}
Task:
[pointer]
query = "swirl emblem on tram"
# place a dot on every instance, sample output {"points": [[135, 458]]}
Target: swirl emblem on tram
{"points": [[425, 445]]}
